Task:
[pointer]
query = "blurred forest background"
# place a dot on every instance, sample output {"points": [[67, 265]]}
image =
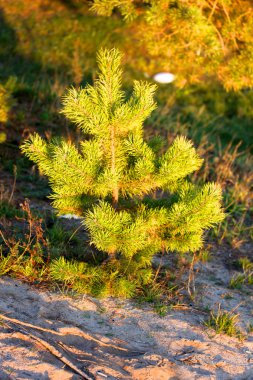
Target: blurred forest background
{"points": [[47, 46]]}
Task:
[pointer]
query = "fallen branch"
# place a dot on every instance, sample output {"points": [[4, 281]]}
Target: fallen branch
{"points": [[60, 356], [52, 350], [80, 333]]}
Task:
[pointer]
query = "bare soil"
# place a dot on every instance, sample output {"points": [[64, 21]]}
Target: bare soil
{"points": [[51, 335]]}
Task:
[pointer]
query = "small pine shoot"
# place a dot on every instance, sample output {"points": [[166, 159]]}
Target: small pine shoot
{"points": [[113, 178]]}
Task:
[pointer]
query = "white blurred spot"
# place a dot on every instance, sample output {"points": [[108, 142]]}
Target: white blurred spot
{"points": [[164, 77], [70, 216]]}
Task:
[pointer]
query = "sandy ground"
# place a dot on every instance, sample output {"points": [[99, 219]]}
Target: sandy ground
{"points": [[51, 336]]}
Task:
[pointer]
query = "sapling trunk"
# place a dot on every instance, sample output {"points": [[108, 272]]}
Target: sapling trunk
{"points": [[115, 192]]}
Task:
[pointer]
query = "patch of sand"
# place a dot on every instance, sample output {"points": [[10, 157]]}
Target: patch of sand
{"points": [[50, 336]]}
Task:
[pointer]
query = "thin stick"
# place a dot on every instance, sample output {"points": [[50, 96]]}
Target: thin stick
{"points": [[80, 333], [73, 234], [57, 354], [212, 11], [191, 277], [14, 183]]}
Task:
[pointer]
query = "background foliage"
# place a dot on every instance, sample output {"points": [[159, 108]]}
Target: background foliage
{"points": [[203, 39]]}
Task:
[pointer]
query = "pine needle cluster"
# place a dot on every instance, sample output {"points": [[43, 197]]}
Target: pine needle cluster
{"points": [[113, 178]]}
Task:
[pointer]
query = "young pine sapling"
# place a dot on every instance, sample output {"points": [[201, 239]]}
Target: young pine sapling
{"points": [[112, 178]]}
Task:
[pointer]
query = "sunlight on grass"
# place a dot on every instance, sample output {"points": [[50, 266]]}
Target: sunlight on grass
{"points": [[224, 322]]}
